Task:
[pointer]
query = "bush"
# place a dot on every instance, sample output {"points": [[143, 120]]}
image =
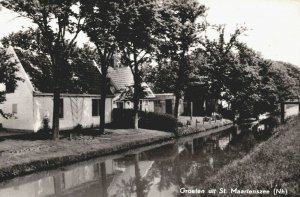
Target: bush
{"points": [[219, 117], [45, 131], [158, 121], [123, 118], [206, 119]]}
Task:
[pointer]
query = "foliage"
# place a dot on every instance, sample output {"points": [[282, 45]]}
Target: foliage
{"points": [[227, 69], [102, 21], [136, 40], [147, 120], [45, 131], [158, 121], [160, 78], [8, 77], [178, 29], [55, 20], [29, 39]]}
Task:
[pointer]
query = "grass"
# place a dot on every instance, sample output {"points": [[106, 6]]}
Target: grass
{"points": [[24, 156], [273, 164]]}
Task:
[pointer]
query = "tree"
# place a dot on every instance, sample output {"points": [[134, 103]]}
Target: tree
{"points": [[29, 39], [178, 34], [136, 41], [59, 23], [8, 77], [102, 23]]}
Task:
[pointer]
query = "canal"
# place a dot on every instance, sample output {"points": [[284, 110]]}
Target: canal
{"points": [[159, 171]]}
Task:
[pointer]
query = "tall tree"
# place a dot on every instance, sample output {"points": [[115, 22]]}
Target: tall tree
{"points": [[59, 23], [102, 23], [136, 41], [179, 28], [8, 78]]}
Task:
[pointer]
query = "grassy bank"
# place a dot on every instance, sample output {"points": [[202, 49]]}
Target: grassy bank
{"points": [[20, 157], [273, 164], [201, 127]]}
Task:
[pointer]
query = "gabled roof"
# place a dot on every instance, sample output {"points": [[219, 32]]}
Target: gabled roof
{"points": [[78, 77], [121, 77]]}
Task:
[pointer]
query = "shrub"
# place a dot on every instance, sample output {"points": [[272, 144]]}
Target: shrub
{"points": [[45, 131], [123, 118], [206, 119], [219, 117], [158, 121]]}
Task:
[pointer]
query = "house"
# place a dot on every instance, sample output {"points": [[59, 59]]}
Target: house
{"points": [[32, 100], [122, 80], [165, 103]]}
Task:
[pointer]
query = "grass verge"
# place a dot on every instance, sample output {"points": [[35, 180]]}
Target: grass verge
{"points": [[273, 164]]}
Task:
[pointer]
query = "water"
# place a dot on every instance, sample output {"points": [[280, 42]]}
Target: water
{"points": [[160, 171]]}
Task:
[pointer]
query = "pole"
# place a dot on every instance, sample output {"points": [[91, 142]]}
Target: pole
{"points": [[191, 111], [282, 112]]}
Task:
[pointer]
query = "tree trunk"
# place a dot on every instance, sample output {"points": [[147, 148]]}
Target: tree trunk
{"points": [[55, 121], [102, 101], [56, 96], [135, 95], [102, 113], [176, 108]]}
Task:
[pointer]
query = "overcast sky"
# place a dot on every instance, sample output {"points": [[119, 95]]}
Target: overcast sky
{"points": [[274, 25]]}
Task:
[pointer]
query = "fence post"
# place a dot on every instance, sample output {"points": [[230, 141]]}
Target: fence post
{"points": [[191, 111], [282, 112]]}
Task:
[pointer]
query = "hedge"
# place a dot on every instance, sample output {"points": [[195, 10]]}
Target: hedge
{"points": [[124, 118]]}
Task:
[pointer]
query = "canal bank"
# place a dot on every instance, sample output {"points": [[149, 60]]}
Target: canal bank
{"points": [[273, 165], [20, 157]]}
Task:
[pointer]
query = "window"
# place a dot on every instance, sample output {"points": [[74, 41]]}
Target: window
{"points": [[14, 108], [157, 103], [61, 108], [120, 105], [95, 107]]}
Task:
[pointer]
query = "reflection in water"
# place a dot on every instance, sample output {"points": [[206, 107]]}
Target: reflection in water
{"points": [[158, 172]]}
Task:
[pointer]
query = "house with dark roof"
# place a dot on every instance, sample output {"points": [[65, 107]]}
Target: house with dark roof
{"points": [[32, 101]]}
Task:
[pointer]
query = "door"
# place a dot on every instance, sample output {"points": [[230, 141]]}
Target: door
{"points": [[169, 106]]}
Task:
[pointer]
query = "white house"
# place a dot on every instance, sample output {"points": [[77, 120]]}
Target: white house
{"points": [[32, 101], [122, 86], [122, 81]]}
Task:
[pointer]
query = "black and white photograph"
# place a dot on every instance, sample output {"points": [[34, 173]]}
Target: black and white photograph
{"points": [[149, 98]]}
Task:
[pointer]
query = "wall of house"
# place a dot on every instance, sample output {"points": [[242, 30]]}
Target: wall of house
{"points": [[160, 103], [147, 105], [22, 99], [77, 110]]}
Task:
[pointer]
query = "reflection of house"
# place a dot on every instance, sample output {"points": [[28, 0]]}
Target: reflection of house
{"points": [[33, 98]]}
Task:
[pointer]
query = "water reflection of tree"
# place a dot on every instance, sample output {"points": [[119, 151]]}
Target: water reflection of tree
{"points": [[136, 184], [192, 170], [103, 179]]}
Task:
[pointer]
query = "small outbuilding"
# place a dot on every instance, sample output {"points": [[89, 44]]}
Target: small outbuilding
{"points": [[32, 100]]}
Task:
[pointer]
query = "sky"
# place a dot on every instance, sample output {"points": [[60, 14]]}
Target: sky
{"points": [[273, 25]]}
